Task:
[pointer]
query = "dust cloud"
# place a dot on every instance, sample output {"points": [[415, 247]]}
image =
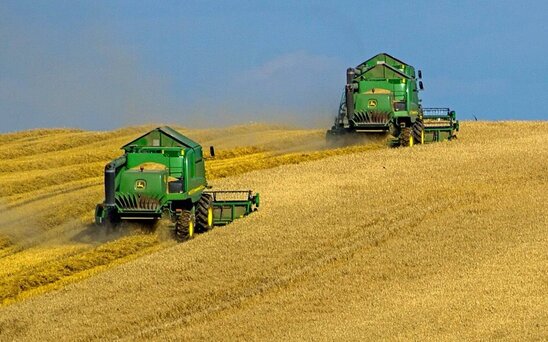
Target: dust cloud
{"points": [[23, 229]]}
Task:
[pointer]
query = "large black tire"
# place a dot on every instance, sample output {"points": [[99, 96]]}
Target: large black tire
{"points": [[112, 224], [393, 129], [204, 213], [405, 137], [418, 131], [184, 226]]}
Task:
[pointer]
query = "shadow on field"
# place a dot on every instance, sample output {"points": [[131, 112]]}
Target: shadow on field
{"points": [[94, 234]]}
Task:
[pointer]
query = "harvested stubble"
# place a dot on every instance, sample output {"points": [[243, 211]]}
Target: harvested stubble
{"points": [[445, 241], [51, 179]]}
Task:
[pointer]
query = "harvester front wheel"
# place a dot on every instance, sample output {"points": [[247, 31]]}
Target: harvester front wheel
{"points": [[204, 213], [393, 129], [185, 226], [418, 132], [111, 223], [405, 136]]}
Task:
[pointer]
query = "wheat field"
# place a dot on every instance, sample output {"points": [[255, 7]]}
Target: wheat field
{"points": [[442, 241], [52, 179]]}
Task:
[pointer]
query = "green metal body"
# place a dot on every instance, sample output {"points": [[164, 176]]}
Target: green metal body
{"points": [[227, 210], [381, 95], [160, 173], [439, 124]]}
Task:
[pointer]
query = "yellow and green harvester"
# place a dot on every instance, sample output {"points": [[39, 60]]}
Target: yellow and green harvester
{"points": [[382, 96], [162, 174]]}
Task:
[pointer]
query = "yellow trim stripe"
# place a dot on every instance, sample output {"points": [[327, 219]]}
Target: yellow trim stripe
{"points": [[201, 187]]}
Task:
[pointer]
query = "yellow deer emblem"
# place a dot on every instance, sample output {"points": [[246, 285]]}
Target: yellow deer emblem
{"points": [[140, 184]]}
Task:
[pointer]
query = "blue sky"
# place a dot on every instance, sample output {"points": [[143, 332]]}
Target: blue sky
{"points": [[106, 64]]}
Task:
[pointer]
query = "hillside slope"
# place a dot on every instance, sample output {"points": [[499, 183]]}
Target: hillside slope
{"points": [[440, 241], [51, 180]]}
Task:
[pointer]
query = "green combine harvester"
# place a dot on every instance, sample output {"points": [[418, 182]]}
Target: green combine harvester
{"points": [[381, 96], [162, 174]]}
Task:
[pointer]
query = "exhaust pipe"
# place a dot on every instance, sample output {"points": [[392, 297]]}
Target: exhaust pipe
{"points": [[350, 74], [349, 93], [110, 180]]}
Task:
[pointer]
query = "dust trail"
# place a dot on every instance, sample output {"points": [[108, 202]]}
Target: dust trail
{"points": [[276, 138], [22, 227], [359, 139], [18, 226], [317, 142]]}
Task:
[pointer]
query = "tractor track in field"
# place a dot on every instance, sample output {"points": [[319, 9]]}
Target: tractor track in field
{"points": [[70, 266], [326, 258]]}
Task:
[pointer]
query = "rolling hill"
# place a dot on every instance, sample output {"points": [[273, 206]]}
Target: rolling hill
{"points": [[441, 241], [52, 179]]}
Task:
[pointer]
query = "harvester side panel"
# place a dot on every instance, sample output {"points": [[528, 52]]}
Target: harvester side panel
{"points": [[230, 205]]}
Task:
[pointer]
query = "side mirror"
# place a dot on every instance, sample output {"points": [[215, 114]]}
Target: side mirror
{"points": [[211, 151], [421, 86], [420, 74]]}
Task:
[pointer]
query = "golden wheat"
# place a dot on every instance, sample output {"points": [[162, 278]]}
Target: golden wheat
{"points": [[443, 241], [56, 178]]}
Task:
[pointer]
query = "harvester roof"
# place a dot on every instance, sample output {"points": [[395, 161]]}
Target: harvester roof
{"points": [[162, 137], [389, 60], [383, 71], [384, 57]]}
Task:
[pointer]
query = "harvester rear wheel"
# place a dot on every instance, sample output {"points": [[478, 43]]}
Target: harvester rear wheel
{"points": [[184, 226], [405, 136], [204, 213]]}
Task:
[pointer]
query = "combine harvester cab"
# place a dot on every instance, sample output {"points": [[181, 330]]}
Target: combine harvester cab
{"points": [[162, 174], [381, 96]]}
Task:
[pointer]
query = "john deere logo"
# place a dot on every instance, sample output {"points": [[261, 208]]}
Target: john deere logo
{"points": [[372, 103], [140, 184]]}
